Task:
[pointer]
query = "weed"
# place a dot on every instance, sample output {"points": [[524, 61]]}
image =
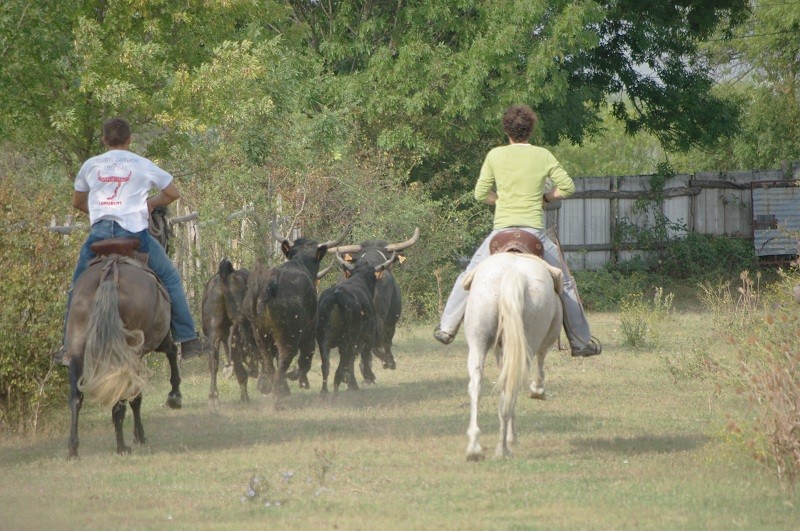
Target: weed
{"points": [[640, 317]]}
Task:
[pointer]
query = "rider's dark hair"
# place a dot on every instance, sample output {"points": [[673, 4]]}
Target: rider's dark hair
{"points": [[116, 132], [519, 121]]}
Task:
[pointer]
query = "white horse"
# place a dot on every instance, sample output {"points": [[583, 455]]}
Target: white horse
{"points": [[513, 307]]}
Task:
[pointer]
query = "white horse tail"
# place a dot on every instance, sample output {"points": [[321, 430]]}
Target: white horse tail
{"points": [[113, 369], [511, 335]]}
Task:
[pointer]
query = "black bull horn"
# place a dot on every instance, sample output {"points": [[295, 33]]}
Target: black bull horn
{"points": [[393, 247], [328, 244]]}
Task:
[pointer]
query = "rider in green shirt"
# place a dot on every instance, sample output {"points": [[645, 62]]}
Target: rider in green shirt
{"points": [[514, 178]]}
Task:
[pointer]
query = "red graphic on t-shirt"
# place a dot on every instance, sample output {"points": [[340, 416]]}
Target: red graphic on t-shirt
{"points": [[114, 179]]}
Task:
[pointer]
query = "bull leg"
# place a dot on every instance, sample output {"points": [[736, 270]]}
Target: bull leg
{"points": [[345, 368], [475, 368], [75, 403], [366, 366], [118, 416], [138, 427], [325, 359], [384, 353], [266, 350], [352, 381], [235, 359], [304, 360], [229, 344], [285, 356]]}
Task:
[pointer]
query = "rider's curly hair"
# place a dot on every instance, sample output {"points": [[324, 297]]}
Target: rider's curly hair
{"points": [[519, 121]]}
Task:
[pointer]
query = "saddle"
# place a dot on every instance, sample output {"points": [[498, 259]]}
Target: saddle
{"points": [[120, 246], [126, 247], [123, 250], [516, 241]]}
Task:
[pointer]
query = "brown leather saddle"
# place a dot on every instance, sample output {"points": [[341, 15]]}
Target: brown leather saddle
{"points": [[123, 250], [126, 247], [516, 241]]}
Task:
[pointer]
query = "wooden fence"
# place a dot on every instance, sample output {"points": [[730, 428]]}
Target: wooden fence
{"points": [[587, 223]]}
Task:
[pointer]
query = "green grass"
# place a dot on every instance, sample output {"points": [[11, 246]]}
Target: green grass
{"points": [[618, 444]]}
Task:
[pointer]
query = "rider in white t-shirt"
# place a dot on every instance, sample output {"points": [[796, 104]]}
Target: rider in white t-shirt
{"points": [[114, 190]]}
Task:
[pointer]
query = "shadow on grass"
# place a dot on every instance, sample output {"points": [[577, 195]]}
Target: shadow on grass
{"points": [[377, 413], [642, 444]]}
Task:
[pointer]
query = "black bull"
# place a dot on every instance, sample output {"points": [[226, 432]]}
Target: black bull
{"points": [[387, 301], [281, 306], [346, 320]]}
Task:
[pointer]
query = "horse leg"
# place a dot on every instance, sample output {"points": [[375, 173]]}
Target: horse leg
{"points": [[537, 386], [502, 449], [174, 398], [75, 403], [138, 427], [118, 416], [475, 369]]}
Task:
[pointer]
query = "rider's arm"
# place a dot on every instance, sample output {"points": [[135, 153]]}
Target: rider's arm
{"points": [[80, 200], [164, 197]]}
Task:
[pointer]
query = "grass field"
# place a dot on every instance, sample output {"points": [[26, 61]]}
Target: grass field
{"points": [[618, 444]]}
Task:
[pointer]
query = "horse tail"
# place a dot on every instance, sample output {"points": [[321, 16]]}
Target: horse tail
{"points": [[113, 369], [511, 334]]}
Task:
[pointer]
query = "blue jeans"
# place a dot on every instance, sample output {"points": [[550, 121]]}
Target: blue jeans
{"points": [[182, 324]]}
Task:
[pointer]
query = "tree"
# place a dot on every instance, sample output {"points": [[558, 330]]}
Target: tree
{"points": [[429, 80]]}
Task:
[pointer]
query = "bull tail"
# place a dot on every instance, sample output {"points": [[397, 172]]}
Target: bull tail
{"points": [[225, 270], [113, 369], [511, 333]]}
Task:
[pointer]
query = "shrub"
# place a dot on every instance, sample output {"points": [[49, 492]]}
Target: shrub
{"points": [[36, 268], [764, 327], [640, 317]]}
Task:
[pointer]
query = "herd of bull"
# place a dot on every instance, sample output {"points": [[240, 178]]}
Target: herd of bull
{"points": [[266, 317]]}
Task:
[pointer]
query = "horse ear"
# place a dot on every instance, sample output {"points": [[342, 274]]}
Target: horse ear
{"points": [[379, 274]]}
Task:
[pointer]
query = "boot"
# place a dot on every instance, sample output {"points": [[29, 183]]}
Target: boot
{"points": [[195, 347]]}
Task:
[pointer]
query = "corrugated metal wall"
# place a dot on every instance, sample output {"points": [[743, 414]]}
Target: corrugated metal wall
{"points": [[708, 203]]}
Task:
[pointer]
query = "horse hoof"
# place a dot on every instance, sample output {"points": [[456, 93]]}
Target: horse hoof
{"points": [[537, 396], [303, 383], [391, 365], [474, 458], [174, 401], [124, 450], [293, 375]]}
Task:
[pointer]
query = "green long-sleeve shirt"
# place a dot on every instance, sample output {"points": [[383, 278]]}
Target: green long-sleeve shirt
{"points": [[518, 172]]}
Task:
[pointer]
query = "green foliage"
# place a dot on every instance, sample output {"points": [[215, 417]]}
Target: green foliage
{"points": [[641, 318], [36, 267], [606, 288]]}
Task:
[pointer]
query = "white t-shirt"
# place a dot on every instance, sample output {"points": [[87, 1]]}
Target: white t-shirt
{"points": [[119, 183]]}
